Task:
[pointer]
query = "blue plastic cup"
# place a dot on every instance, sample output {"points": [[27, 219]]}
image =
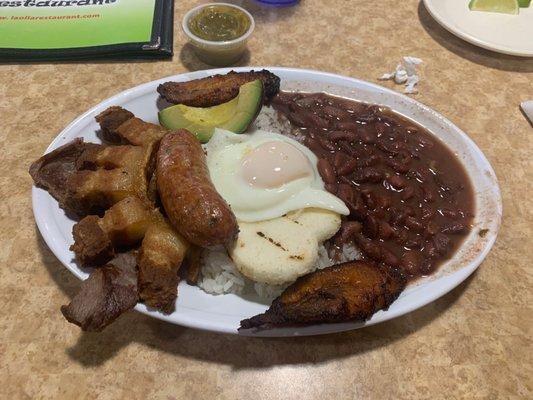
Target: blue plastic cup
{"points": [[278, 3]]}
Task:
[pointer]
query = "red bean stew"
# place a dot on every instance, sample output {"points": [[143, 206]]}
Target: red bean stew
{"points": [[411, 202]]}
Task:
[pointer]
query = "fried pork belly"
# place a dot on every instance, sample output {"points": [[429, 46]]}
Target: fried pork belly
{"points": [[216, 89], [93, 190], [120, 126], [351, 291], [160, 257], [52, 170], [106, 294], [123, 225], [110, 157]]}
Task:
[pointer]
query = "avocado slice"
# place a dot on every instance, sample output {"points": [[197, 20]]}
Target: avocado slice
{"points": [[236, 115]]}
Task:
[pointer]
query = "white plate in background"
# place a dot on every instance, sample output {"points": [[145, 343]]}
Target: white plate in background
{"points": [[503, 33], [198, 309]]}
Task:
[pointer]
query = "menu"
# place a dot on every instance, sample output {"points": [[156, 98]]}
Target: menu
{"points": [[85, 29]]}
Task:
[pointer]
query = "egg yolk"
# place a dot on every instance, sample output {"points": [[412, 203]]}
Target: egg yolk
{"points": [[273, 164]]}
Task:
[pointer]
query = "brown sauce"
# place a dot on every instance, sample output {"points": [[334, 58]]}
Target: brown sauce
{"points": [[411, 202]]}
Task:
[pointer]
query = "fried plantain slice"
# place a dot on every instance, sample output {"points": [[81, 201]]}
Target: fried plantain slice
{"points": [[216, 89], [351, 291]]}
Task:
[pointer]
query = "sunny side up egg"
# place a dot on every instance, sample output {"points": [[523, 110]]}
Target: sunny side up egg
{"points": [[284, 213], [264, 175]]}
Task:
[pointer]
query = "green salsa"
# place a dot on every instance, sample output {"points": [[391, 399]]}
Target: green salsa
{"points": [[219, 23]]}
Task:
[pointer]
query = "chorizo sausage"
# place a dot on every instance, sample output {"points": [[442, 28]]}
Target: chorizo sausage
{"points": [[192, 204]]}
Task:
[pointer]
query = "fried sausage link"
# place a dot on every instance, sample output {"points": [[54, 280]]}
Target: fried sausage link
{"points": [[191, 202]]}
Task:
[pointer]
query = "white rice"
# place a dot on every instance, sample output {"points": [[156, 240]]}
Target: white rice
{"points": [[220, 276]]}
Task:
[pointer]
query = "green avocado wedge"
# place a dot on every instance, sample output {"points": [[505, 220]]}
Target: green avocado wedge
{"points": [[236, 115]]}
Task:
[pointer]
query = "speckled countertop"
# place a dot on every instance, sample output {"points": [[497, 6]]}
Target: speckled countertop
{"points": [[473, 343]]}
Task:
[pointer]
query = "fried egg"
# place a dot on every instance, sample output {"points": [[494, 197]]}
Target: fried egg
{"points": [[264, 175]]}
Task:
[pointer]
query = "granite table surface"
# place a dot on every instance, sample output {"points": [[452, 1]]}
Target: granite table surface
{"points": [[474, 342]]}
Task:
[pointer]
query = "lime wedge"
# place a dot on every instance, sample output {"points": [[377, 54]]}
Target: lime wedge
{"points": [[499, 6], [524, 3]]}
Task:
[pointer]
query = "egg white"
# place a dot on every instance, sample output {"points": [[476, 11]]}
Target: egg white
{"points": [[224, 153]]}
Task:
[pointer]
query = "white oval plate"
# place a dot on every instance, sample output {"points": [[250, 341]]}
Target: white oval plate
{"points": [[197, 309], [504, 33]]}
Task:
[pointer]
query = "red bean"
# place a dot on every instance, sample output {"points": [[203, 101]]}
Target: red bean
{"points": [[348, 167], [414, 242], [397, 216], [397, 181], [346, 194], [368, 175], [347, 148], [388, 257], [414, 224], [422, 174], [452, 214], [336, 112], [441, 242], [401, 164], [316, 121], [454, 227], [411, 262], [349, 229], [401, 235], [390, 146], [371, 227], [408, 193], [368, 161], [430, 250], [426, 267], [342, 135], [385, 230], [366, 134], [429, 195], [427, 211], [346, 126], [297, 118], [382, 200], [432, 228], [313, 144], [382, 128], [368, 199], [331, 187], [339, 160], [326, 171], [326, 144], [372, 249]]}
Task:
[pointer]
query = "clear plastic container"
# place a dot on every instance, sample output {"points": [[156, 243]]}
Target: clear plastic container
{"points": [[218, 53]]}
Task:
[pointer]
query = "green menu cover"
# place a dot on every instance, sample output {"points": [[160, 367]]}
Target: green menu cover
{"points": [[83, 29]]}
